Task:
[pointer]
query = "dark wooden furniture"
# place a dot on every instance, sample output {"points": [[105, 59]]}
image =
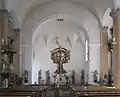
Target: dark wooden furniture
{"points": [[94, 91], [24, 91]]}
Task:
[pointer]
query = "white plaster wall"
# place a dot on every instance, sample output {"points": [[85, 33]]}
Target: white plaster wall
{"points": [[116, 4]]}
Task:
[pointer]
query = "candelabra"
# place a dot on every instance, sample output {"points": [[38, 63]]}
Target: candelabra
{"points": [[60, 56]]}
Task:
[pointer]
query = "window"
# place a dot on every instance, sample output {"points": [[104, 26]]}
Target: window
{"points": [[86, 50]]}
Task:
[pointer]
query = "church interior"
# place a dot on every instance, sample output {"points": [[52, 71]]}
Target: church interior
{"points": [[59, 48]]}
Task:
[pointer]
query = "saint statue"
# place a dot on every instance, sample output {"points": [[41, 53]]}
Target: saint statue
{"points": [[73, 77], [105, 81], [95, 76], [25, 76], [39, 76], [82, 77], [48, 77]]}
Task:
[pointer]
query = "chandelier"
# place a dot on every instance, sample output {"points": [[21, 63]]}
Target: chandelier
{"points": [[60, 56]]}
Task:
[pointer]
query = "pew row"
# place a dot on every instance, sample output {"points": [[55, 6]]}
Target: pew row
{"points": [[25, 91], [94, 91]]}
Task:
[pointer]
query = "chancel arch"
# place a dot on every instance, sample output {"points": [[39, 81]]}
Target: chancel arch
{"points": [[80, 16]]}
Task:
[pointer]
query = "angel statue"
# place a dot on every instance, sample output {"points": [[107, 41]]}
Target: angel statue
{"points": [[95, 76]]}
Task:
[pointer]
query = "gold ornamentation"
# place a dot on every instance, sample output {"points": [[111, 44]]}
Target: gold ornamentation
{"points": [[60, 56]]}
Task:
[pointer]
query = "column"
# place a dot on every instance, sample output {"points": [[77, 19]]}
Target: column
{"points": [[115, 14], [17, 48], [4, 23], [104, 52]]}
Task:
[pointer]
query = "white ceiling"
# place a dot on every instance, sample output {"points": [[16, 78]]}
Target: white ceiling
{"points": [[49, 29], [23, 7]]}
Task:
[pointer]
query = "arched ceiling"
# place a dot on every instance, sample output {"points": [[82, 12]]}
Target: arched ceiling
{"points": [[83, 18], [67, 30], [69, 34], [23, 7]]}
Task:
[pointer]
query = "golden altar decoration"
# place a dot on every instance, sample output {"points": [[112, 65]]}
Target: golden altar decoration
{"points": [[60, 56]]}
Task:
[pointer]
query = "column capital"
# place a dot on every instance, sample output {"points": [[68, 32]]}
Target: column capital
{"points": [[115, 13]]}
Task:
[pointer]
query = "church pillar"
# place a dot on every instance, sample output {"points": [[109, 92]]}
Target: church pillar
{"points": [[115, 14], [17, 48], [104, 53]]}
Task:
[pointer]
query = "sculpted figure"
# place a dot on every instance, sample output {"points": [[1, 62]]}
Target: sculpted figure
{"points": [[48, 77], [82, 77], [73, 77], [25, 76], [39, 76], [95, 76]]}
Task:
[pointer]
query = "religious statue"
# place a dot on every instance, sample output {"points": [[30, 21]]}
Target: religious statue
{"points": [[18, 80], [73, 77], [48, 77], [105, 80], [82, 77], [25, 76], [40, 76], [95, 76]]}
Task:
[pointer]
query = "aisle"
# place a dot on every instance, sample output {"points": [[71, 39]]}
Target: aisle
{"points": [[62, 93]]}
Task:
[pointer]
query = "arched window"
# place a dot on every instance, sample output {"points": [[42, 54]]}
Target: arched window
{"points": [[86, 51]]}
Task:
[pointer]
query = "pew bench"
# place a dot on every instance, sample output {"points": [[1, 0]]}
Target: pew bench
{"points": [[26, 91], [18, 94], [94, 91]]}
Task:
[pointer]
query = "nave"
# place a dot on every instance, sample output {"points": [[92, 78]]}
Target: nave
{"points": [[59, 48]]}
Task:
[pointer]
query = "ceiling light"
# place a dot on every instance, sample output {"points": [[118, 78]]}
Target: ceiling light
{"points": [[60, 19]]}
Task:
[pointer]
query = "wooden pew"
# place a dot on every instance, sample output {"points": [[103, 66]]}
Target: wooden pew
{"points": [[24, 91], [45, 89], [17, 94], [97, 91]]}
